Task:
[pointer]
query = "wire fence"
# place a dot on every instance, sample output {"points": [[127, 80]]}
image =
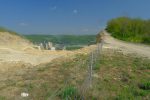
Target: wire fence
{"points": [[81, 88]]}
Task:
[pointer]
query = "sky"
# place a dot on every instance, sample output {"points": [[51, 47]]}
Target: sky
{"points": [[67, 16]]}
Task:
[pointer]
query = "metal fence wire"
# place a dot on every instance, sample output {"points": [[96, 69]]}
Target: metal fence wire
{"points": [[90, 63]]}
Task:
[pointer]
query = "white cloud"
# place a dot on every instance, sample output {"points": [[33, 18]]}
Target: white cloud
{"points": [[23, 24], [75, 11]]}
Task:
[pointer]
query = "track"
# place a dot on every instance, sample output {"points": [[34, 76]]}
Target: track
{"points": [[138, 49]]}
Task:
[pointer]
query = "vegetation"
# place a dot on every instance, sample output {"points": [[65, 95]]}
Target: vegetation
{"points": [[130, 29], [2, 98], [73, 47], [2, 29], [63, 39], [121, 77], [116, 76], [68, 92]]}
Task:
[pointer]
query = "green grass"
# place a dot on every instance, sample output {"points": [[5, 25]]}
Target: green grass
{"points": [[68, 93], [121, 77], [2, 98], [116, 77], [145, 85]]}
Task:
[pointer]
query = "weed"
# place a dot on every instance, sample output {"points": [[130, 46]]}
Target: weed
{"points": [[119, 72], [68, 93], [97, 65], [145, 85], [28, 87], [2, 98]]}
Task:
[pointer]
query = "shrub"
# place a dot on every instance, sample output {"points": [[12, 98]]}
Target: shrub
{"points": [[68, 92], [145, 86], [130, 29]]}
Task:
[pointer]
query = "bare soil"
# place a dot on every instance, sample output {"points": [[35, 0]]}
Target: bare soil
{"points": [[126, 47]]}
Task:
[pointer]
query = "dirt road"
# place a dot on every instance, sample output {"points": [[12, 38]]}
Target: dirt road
{"points": [[33, 57], [138, 49]]}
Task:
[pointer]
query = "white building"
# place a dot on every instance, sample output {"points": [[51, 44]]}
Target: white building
{"points": [[53, 49]]}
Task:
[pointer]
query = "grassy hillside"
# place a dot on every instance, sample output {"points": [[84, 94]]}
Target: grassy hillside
{"points": [[122, 77], [115, 77], [63, 39], [2, 29], [130, 29], [11, 39]]}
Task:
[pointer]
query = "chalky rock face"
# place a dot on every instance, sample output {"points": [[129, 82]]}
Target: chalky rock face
{"points": [[13, 41]]}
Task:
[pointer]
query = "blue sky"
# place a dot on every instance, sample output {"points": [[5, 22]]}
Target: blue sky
{"points": [[67, 16]]}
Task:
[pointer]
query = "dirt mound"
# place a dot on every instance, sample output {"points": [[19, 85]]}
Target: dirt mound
{"points": [[13, 41], [14, 48]]}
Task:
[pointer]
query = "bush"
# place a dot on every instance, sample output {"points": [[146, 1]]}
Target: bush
{"points": [[68, 92], [145, 86], [130, 29], [146, 39]]}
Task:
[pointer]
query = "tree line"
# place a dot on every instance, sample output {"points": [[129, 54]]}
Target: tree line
{"points": [[130, 29], [63, 39]]}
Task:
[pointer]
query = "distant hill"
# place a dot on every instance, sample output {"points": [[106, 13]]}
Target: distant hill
{"points": [[63, 39], [12, 39]]}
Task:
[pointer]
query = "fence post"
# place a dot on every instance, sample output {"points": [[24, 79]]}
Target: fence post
{"points": [[91, 68]]}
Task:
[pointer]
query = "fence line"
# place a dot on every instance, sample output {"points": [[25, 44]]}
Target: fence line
{"points": [[94, 55]]}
